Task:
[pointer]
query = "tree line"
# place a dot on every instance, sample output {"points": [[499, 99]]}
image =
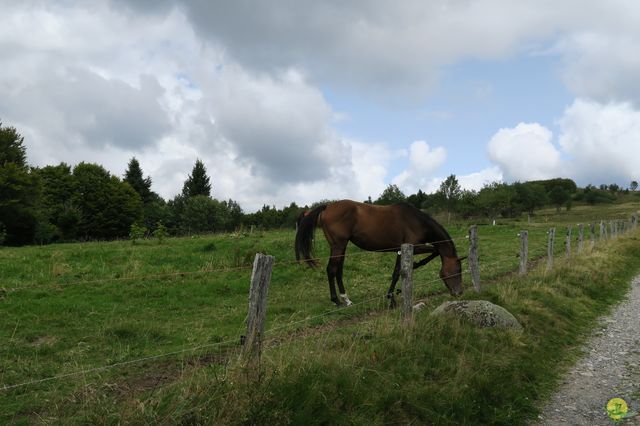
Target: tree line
{"points": [[41, 205]]}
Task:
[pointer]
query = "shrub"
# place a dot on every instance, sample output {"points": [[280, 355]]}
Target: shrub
{"points": [[137, 232], [160, 232]]}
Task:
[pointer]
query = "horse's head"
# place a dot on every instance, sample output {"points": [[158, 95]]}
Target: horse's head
{"points": [[451, 274]]}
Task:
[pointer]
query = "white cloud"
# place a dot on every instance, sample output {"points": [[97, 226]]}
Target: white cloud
{"points": [[281, 126], [370, 168], [245, 87], [598, 143], [401, 49], [423, 162], [475, 181], [602, 66], [525, 152], [602, 140]]}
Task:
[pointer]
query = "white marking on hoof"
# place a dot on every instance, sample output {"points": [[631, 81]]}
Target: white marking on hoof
{"points": [[345, 299]]}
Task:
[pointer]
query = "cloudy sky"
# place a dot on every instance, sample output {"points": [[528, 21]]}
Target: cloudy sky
{"points": [[293, 100]]}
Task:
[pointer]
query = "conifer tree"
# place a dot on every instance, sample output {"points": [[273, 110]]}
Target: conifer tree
{"points": [[198, 182], [134, 177]]}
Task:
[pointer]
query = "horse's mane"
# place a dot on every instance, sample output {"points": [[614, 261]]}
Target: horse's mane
{"points": [[442, 236]]}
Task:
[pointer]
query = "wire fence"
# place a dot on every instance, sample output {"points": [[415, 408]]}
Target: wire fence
{"points": [[229, 348]]}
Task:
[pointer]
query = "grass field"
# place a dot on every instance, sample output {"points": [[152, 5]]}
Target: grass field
{"points": [[108, 332]]}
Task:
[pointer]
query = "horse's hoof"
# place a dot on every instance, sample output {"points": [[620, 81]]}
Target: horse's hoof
{"points": [[392, 303], [345, 300]]}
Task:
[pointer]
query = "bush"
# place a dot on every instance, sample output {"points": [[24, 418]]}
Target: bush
{"points": [[137, 232], [160, 232]]}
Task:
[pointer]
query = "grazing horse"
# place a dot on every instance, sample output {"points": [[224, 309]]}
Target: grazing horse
{"points": [[377, 228]]}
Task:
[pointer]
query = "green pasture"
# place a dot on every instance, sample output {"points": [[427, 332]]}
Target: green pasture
{"points": [[115, 332]]}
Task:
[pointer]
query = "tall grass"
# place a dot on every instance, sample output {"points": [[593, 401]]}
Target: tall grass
{"points": [[75, 307], [438, 371]]}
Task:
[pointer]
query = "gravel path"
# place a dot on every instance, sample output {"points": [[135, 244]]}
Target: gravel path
{"points": [[610, 368]]}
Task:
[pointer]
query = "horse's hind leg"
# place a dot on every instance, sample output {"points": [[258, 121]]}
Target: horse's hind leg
{"points": [[394, 281]]}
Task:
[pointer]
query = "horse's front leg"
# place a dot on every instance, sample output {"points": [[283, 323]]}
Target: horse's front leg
{"points": [[424, 250], [343, 294], [331, 276], [394, 280], [334, 272], [424, 261]]}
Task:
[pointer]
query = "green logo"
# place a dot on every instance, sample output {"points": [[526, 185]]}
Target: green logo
{"points": [[617, 408]]}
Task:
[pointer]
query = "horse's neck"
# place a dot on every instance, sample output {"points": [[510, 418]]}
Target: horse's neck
{"points": [[442, 241], [446, 248], [436, 235]]}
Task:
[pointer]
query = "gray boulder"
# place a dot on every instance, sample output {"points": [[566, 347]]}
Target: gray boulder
{"points": [[480, 313]]}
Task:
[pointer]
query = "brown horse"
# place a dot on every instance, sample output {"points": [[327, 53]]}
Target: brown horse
{"points": [[377, 228]]}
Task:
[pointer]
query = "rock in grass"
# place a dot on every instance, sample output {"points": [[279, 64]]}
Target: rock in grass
{"points": [[480, 313]]}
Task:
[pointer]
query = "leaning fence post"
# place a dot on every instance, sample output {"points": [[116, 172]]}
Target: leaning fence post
{"points": [[524, 251], [406, 273], [260, 278], [474, 264], [580, 237], [634, 220], [550, 241], [567, 242]]}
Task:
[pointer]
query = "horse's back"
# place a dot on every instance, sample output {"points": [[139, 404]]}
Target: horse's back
{"points": [[370, 227]]}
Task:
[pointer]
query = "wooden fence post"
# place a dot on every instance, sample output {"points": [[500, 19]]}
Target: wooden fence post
{"points": [[260, 278], [567, 242], [612, 233], [634, 220], [550, 241], [580, 237], [603, 231], [406, 273], [524, 251], [474, 262], [593, 234]]}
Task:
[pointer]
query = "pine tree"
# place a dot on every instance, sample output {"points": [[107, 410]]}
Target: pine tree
{"points": [[134, 177], [198, 182]]}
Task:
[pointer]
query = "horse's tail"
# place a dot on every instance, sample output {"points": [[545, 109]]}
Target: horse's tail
{"points": [[304, 235]]}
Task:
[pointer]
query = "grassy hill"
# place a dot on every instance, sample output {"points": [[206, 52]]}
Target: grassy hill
{"points": [[108, 332]]}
